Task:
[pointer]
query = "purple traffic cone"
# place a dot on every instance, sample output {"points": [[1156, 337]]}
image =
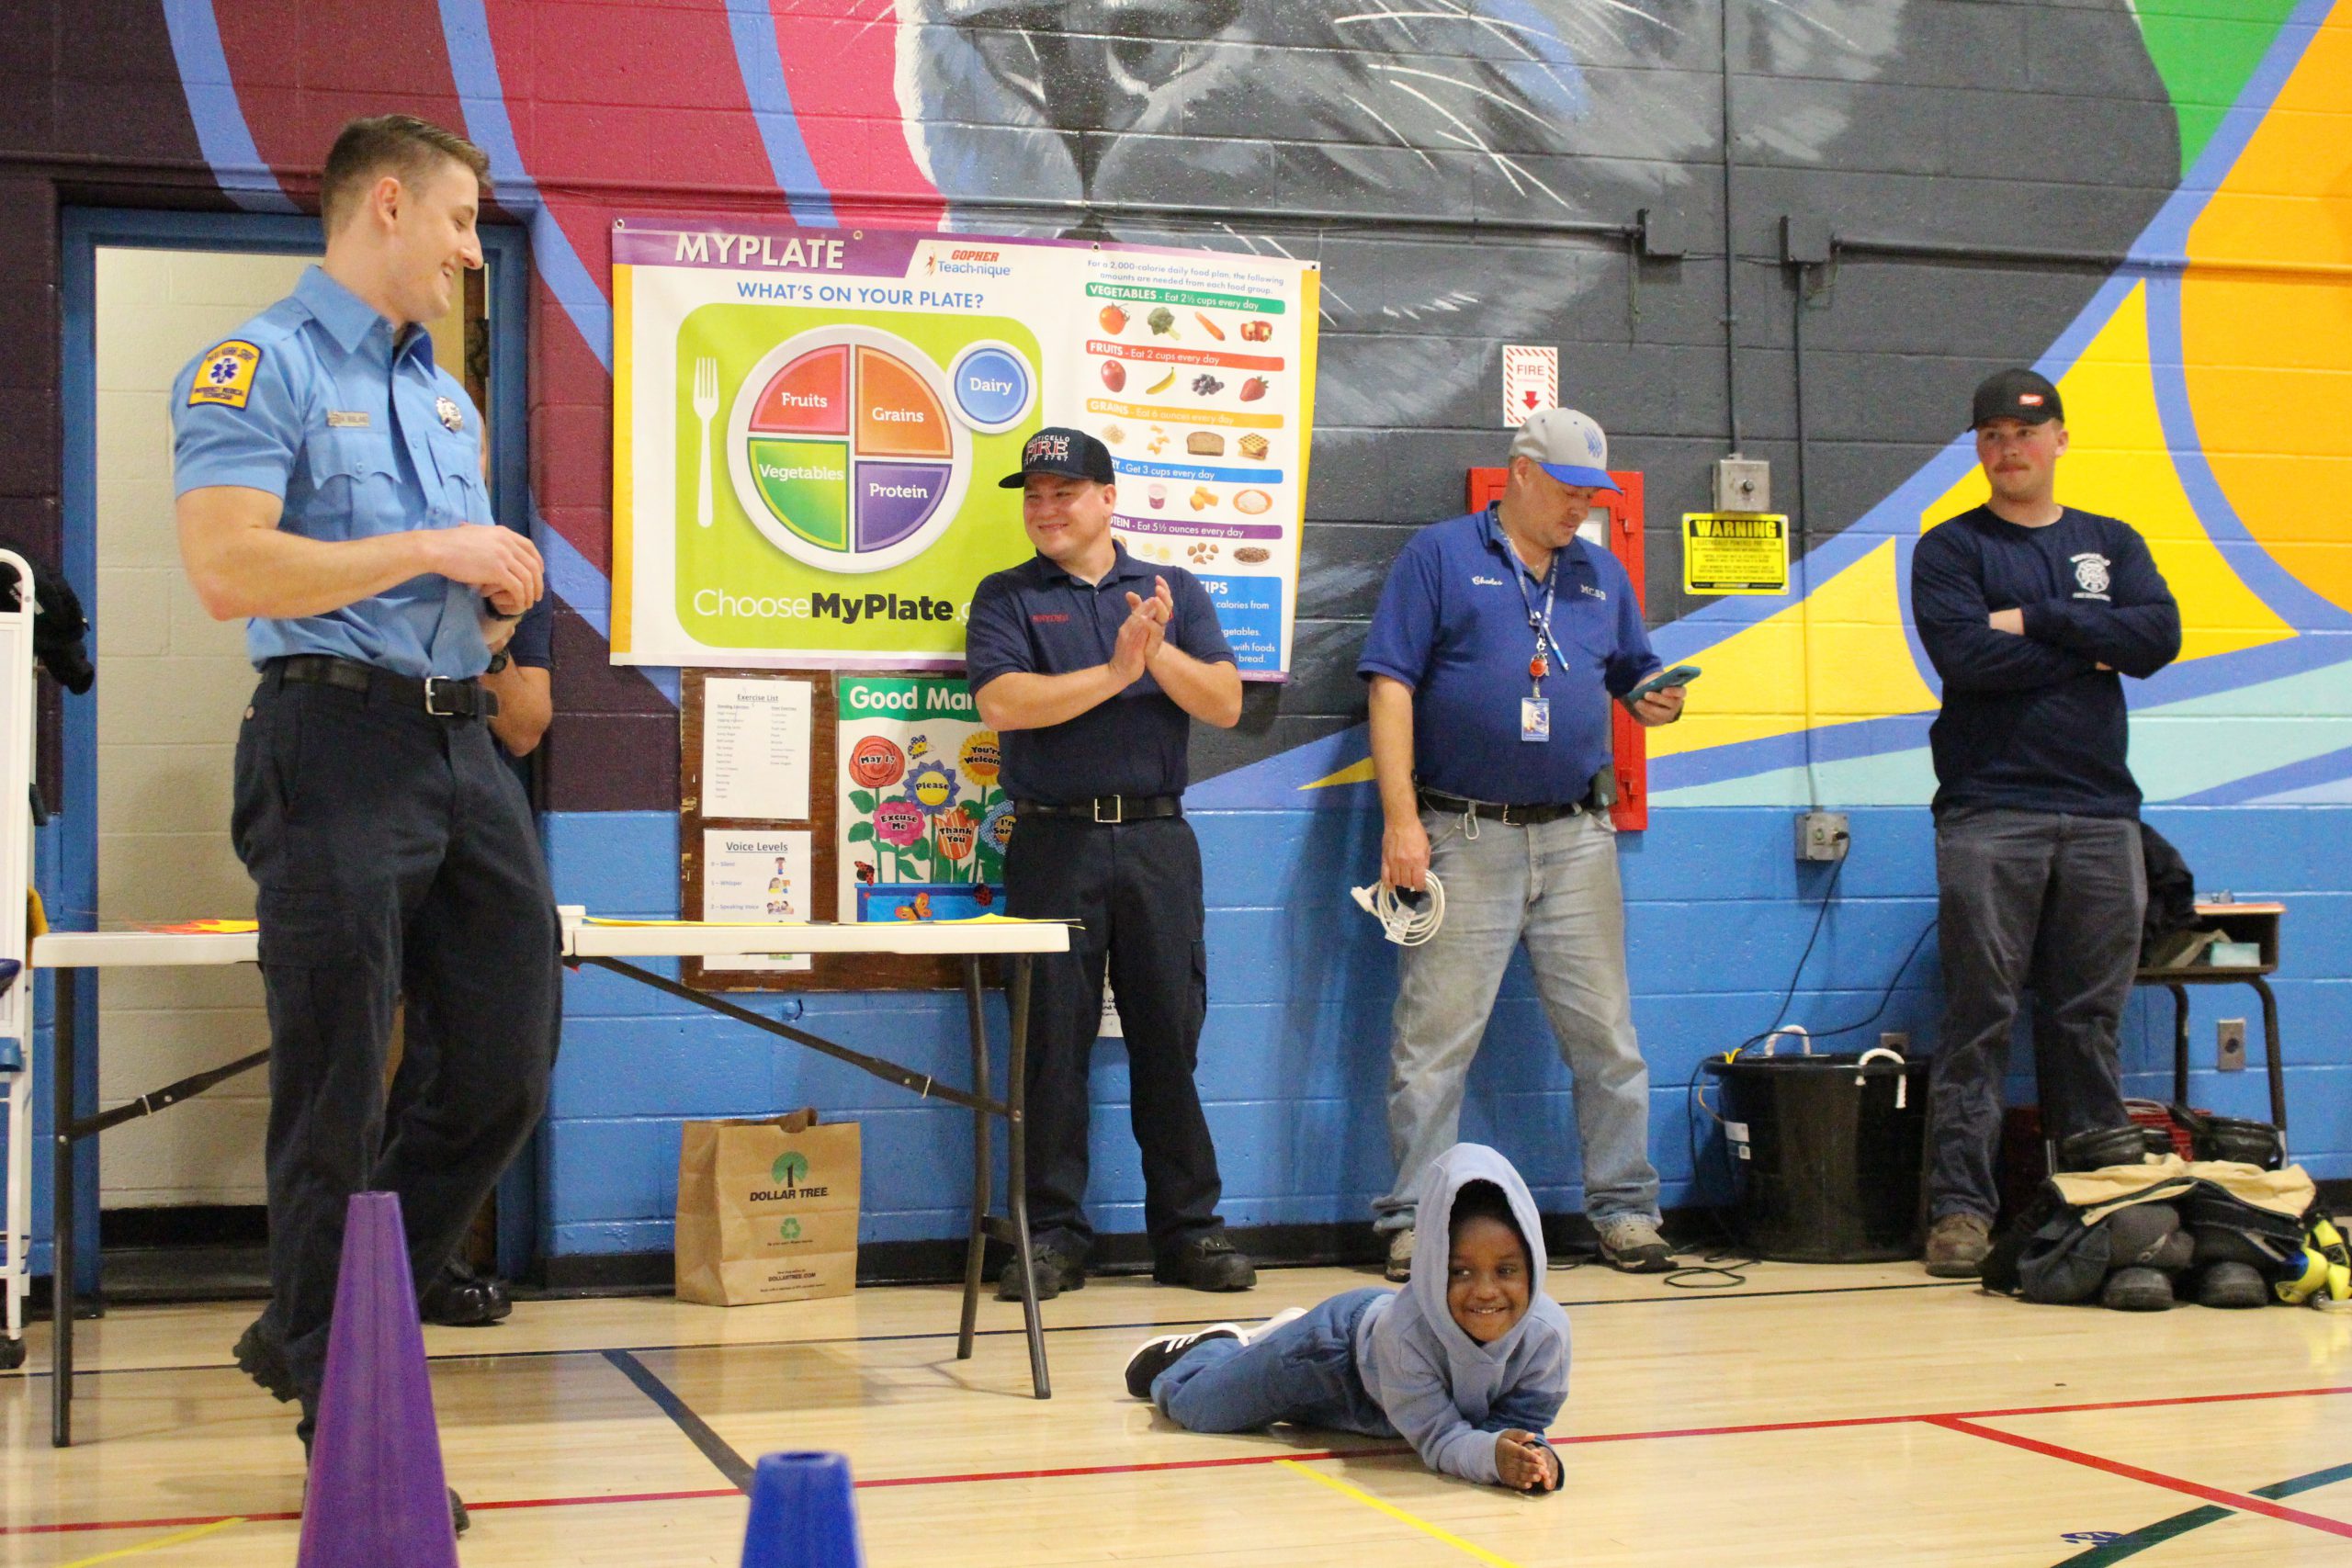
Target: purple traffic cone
{"points": [[377, 1493], [803, 1514]]}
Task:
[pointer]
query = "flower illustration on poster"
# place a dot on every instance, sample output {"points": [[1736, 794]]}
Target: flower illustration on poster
{"points": [[923, 816]]}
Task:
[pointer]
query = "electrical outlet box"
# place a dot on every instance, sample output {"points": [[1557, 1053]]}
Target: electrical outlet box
{"points": [[1743, 484], [1822, 835], [1895, 1039], [2229, 1041]]}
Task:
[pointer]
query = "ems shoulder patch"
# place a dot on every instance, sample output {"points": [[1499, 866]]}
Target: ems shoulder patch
{"points": [[226, 378]]}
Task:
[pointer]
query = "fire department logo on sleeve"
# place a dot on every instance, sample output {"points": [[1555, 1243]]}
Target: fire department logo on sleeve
{"points": [[225, 378], [2090, 573]]}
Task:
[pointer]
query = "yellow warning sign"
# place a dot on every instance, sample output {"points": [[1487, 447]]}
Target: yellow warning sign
{"points": [[1735, 552]]}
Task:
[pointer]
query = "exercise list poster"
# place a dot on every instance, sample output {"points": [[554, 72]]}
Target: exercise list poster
{"points": [[809, 424]]}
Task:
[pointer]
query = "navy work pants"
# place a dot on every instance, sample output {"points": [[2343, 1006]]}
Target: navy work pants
{"points": [[2030, 901], [393, 857], [1137, 890]]}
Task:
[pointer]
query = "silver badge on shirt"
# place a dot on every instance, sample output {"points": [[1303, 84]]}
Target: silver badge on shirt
{"points": [[450, 413]]}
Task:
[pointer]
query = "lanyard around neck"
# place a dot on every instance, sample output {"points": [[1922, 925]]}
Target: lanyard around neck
{"points": [[1547, 647]]}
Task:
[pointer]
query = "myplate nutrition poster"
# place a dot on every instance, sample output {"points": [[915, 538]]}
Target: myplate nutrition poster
{"points": [[810, 424]]}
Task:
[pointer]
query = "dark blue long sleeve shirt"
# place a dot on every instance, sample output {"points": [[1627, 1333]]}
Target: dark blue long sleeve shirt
{"points": [[2032, 722]]}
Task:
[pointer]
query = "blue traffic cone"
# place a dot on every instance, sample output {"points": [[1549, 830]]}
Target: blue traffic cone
{"points": [[376, 1493], [802, 1514]]}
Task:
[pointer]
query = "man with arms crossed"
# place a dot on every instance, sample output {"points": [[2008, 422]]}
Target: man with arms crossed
{"points": [[1091, 668], [1498, 644], [2028, 611], [331, 490]]}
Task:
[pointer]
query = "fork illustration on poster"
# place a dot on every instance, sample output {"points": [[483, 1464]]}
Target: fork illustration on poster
{"points": [[706, 410]]}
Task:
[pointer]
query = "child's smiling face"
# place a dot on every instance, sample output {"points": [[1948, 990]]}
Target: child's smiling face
{"points": [[1486, 1281]]}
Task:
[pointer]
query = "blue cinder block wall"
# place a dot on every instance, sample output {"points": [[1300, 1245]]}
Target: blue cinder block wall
{"points": [[1294, 1058]]}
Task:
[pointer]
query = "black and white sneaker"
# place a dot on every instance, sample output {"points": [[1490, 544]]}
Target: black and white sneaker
{"points": [[1154, 1356]]}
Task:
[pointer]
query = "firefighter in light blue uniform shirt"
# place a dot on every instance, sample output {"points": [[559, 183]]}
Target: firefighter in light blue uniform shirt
{"points": [[360, 437], [330, 490]]}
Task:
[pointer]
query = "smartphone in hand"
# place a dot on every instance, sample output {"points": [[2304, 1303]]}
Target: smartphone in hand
{"points": [[1681, 675]]}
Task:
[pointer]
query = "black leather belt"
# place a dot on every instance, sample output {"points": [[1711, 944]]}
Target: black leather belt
{"points": [[1496, 811], [1110, 810], [439, 696]]}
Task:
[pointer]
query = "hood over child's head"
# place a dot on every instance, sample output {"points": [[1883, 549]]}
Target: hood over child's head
{"points": [[1488, 1271]]}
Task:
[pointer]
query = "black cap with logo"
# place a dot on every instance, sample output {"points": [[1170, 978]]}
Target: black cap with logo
{"points": [[2016, 394], [1057, 449]]}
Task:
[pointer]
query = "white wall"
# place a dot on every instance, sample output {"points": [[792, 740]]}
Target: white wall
{"points": [[172, 687]]}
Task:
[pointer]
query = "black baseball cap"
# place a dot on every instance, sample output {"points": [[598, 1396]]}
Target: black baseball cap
{"points": [[1057, 449], [2016, 394]]}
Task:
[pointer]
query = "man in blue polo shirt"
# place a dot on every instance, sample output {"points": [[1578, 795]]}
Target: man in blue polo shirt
{"points": [[1091, 668], [330, 491], [1499, 642]]}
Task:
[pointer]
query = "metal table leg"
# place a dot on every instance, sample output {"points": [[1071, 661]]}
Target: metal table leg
{"points": [[62, 1210], [976, 1250], [2179, 1043], [2276, 1070], [1016, 1099]]}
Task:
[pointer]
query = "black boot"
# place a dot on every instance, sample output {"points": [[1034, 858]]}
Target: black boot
{"points": [[460, 1298]]}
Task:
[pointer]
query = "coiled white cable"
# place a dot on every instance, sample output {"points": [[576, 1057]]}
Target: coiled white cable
{"points": [[1400, 922]]}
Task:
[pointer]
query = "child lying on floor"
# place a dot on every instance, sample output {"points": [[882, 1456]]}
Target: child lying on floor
{"points": [[1469, 1362]]}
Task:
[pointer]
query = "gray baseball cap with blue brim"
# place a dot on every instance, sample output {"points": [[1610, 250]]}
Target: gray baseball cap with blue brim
{"points": [[1568, 445]]}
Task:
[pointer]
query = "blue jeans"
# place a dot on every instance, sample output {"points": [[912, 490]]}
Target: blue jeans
{"points": [[1304, 1373], [1555, 887]]}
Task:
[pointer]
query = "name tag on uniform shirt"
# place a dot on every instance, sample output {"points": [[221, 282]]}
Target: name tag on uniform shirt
{"points": [[346, 419], [1535, 718]]}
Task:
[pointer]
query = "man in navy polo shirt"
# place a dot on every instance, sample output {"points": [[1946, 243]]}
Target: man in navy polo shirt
{"points": [[2032, 613], [1499, 645], [1091, 668]]}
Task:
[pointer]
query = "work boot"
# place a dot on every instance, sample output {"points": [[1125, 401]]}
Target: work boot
{"points": [[1957, 1244], [460, 1298], [2231, 1286], [1631, 1245], [2136, 1289], [1056, 1271], [261, 1355], [1205, 1262], [1399, 1266]]}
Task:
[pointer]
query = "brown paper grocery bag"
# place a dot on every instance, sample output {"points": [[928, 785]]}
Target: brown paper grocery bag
{"points": [[767, 1210]]}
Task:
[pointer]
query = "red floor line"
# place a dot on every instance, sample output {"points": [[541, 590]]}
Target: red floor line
{"points": [[1957, 1420], [2242, 1501], [2148, 1404]]}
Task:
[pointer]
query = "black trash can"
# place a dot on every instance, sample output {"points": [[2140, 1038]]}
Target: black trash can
{"points": [[1825, 1152]]}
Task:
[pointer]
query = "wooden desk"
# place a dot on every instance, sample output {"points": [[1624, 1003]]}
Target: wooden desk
{"points": [[2255, 923]]}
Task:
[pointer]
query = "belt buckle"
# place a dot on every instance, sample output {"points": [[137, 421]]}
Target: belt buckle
{"points": [[1119, 810], [1511, 821], [433, 686]]}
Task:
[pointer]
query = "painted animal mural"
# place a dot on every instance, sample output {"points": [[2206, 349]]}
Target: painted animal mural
{"points": [[1418, 148]]}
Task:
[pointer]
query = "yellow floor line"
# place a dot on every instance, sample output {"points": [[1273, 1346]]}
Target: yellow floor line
{"points": [[157, 1544], [1399, 1514]]}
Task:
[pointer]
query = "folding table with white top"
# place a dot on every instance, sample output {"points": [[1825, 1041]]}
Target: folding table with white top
{"points": [[607, 944]]}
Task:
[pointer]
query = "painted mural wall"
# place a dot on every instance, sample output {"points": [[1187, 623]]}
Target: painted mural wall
{"points": [[2151, 202]]}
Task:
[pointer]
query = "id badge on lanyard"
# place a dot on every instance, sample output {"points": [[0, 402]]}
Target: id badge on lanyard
{"points": [[1535, 709]]}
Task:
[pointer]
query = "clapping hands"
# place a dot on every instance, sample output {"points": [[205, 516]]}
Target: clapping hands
{"points": [[1144, 631]]}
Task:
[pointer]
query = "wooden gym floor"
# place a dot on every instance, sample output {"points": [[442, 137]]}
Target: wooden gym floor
{"points": [[1813, 1416]]}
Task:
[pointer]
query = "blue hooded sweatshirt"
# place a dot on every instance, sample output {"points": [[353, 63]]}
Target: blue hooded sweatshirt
{"points": [[1446, 1393]]}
